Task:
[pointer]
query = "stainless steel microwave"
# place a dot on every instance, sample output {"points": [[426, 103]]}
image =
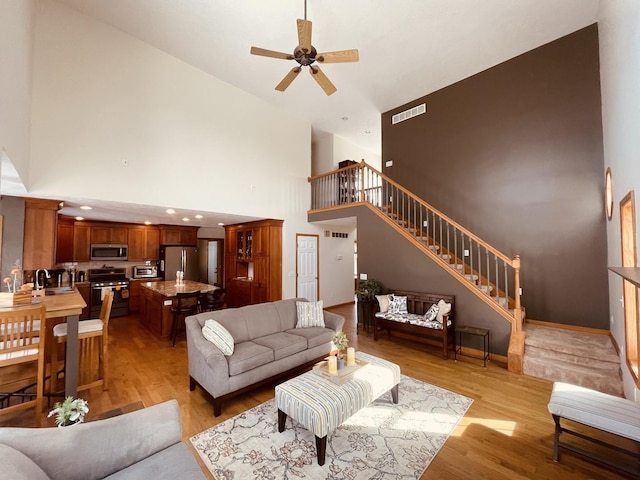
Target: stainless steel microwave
{"points": [[109, 252]]}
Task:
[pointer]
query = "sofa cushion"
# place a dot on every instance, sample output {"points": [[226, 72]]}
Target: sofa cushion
{"points": [[315, 335], [261, 319], [283, 344], [310, 314], [17, 466], [288, 312], [247, 356], [219, 336], [177, 461]]}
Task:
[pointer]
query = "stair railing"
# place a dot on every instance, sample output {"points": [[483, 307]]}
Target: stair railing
{"points": [[473, 259]]}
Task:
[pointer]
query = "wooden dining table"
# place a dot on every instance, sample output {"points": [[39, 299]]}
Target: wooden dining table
{"points": [[67, 305]]}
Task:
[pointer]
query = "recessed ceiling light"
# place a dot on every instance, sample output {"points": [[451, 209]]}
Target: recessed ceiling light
{"points": [[61, 204], [198, 216], [170, 210], [220, 224], [185, 219], [79, 218], [85, 207], [147, 222]]}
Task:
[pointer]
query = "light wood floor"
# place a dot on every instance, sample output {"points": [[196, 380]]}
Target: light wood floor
{"points": [[506, 434]]}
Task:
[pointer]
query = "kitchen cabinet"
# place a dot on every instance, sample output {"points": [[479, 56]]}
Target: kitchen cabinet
{"points": [[81, 242], [135, 293], [40, 230], [64, 240], [144, 243], [253, 266], [108, 234], [177, 235]]}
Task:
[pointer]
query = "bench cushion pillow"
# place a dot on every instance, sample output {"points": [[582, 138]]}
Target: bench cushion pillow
{"points": [[431, 314], [398, 304], [219, 336], [383, 302], [443, 309], [310, 314]]}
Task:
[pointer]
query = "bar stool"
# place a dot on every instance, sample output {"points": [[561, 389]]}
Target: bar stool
{"points": [[187, 305], [212, 300]]}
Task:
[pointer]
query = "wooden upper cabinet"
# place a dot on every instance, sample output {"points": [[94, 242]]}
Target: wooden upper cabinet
{"points": [[109, 234], [81, 242], [40, 231], [64, 242], [144, 243], [177, 235]]}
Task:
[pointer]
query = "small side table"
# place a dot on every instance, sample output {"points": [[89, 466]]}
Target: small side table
{"points": [[479, 332]]}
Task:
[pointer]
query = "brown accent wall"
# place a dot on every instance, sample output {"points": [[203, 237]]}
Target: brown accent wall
{"points": [[515, 154]]}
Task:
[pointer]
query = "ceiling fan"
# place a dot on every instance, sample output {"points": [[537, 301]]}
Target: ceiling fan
{"points": [[306, 55]]}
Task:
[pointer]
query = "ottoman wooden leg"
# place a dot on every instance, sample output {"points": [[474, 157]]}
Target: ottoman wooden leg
{"points": [[394, 393], [321, 449], [282, 419]]}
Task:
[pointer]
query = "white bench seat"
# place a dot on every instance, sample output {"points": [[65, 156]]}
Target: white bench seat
{"points": [[598, 410]]}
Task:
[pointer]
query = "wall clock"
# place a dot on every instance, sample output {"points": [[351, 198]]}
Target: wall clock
{"points": [[608, 193]]}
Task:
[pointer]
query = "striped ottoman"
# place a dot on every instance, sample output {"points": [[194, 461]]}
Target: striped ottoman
{"points": [[320, 405]]}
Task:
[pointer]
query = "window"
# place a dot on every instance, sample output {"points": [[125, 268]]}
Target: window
{"points": [[630, 291]]}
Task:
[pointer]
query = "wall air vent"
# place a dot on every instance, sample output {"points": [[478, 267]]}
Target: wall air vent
{"points": [[407, 114]]}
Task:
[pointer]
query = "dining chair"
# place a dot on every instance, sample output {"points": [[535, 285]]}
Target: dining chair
{"points": [[93, 335], [187, 304], [20, 343]]}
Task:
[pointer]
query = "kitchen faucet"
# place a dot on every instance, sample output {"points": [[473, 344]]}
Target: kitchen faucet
{"points": [[46, 274]]}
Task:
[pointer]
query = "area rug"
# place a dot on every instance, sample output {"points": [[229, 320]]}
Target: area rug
{"points": [[382, 441]]}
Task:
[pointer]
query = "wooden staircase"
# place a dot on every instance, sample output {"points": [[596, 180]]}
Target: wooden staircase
{"points": [[485, 271]]}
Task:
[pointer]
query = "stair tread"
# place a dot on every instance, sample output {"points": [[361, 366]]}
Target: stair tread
{"points": [[588, 345], [576, 374], [596, 363]]}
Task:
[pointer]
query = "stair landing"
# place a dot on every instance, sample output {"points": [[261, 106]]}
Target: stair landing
{"points": [[586, 359]]}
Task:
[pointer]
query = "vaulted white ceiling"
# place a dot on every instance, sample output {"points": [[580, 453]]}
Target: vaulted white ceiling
{"points": [[408, 49]]}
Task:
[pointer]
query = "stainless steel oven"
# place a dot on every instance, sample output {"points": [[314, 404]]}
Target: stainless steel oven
{"points": [[103, 279]]}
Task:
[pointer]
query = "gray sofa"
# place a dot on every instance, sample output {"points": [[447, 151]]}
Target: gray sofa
{"points": [[141, 445], [267, 347]]}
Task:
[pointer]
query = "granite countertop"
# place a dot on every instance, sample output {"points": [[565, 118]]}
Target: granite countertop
{"points": [[170, 289]]}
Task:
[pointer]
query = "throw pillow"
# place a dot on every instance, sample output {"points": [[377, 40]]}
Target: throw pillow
{"points": [[398, 304], [219, 336], [310, 314], [431, 314], [383, 301], [443, 309]]}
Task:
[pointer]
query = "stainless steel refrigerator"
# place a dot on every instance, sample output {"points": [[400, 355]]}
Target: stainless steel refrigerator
{"points": [[177, 258]]}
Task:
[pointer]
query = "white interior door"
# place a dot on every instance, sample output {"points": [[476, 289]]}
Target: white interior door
{"points": [[307, 267]]}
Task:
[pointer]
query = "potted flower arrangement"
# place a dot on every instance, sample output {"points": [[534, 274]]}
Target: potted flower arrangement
{"points": [[366, 295], [70, 411], [341, 342]]}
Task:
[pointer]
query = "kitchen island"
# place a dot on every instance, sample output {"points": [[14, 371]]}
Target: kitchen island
{"points": [[156, 301]]}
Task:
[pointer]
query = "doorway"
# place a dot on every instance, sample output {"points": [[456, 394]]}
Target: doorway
{"points": [[307, 282], [211, 256], [630, 291]]}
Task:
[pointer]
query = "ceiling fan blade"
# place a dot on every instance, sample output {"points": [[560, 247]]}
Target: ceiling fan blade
{"points": [[270, 53], [341, 56], [289, 77], [304, 35], [326, 85]]}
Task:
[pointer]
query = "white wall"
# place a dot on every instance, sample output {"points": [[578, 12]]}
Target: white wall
{"points": [[343, 149], [101, 96], [620, 77], [16, 44]]}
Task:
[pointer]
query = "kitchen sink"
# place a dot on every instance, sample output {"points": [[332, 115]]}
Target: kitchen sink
{"points": [[58, 290]]}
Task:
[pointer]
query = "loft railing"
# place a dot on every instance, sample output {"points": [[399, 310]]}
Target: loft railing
{"points": [[484, 269]]}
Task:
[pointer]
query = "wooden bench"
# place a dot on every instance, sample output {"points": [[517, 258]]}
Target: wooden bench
{"points": [[418, 304], [600, 411]]}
